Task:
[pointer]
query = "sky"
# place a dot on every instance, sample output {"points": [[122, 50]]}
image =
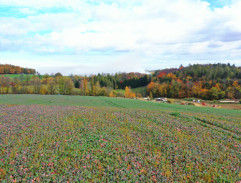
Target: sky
{"points": [[104, 36]]}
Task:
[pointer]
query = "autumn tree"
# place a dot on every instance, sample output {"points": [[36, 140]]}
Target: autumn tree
{"points": [[93, 89], [36, 82], [85, 85], [66, 85], [127, 92], [51, 85]]}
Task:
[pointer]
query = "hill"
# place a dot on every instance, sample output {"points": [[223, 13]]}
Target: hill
{"points": [[11, 69], [209, 82], [212, 81]]}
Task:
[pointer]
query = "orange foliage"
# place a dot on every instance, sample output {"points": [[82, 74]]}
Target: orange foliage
{"points": [[150, 86], [171, 75], [161, 74], [129, 94]]}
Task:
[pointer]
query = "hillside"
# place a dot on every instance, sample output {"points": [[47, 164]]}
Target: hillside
{"points": [[12, 69], [212, 81], [208, 82]]}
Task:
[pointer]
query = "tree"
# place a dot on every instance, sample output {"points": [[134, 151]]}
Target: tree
{"points": [[162, 90], [111, 94], [44, 90], [58, 74], [127, 92], [85, 84], [161, 75], [150, 95], [5, 84], [66, 85], [36, 82], [51, 85], [93, 90]]}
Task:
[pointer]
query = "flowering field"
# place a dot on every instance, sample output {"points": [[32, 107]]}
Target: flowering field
{"points": [[117, 142]]}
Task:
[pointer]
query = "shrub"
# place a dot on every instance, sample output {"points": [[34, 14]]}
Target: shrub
{"points": [[191, 104], [120, 95], [171, 101], [183, 103], [139, 95]]}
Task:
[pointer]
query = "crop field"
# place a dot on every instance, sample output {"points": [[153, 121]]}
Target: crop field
{"points": [[100, 139]]}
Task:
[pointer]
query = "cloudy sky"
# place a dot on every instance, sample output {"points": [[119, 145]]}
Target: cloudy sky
{"points": [[91, 36]]}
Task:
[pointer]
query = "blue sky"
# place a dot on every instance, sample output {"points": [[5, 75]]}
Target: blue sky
{"points": [[88, 36]]}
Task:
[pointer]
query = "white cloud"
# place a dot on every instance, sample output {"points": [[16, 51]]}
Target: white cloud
{"points": [[149, 29]]}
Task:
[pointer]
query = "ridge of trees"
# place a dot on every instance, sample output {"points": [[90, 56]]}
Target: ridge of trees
{"points": [[210, 81], [11, 69]]}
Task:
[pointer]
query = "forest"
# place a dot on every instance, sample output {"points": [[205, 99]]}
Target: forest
{"points": [[11, 69], [212, 82]]}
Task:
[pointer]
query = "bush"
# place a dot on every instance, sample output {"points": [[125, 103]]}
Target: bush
{"points": [[76, 91], [191, 104], [240, 101], [120, 95], [139, 95], [188, 99], [171, 101], [183, 103]]}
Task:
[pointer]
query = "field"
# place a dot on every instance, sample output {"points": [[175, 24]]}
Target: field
{"points": [[16, 75], [100, 139]]}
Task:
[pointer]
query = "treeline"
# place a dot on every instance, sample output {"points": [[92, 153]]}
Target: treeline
{"points": [[11, 69], [121, 80], [212, 81], [58, 84]]}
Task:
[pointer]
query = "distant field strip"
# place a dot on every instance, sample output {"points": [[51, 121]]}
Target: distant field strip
{"points": [[85, 101]]}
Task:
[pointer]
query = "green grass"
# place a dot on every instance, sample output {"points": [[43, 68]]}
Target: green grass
{"points": [[87, 101], [141, 90], [16, 75], [120, 91]]}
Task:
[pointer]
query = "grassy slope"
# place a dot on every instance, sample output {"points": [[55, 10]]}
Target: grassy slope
{"points": [[15, 75], [227, 118], [86, 101], [141, 90]]}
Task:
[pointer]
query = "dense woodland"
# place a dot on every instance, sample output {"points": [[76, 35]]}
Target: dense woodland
{"points": [[213, 81], [11, 69]]}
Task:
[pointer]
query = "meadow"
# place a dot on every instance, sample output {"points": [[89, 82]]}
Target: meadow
{"points": [[140, 90], [100, 139], [16, 75]]}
